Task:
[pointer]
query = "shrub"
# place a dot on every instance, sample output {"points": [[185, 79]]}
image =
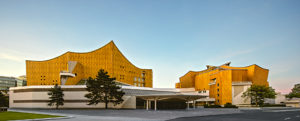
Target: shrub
{"points": [[212, 106], [273, 105], [229, 105], [4, 101]]}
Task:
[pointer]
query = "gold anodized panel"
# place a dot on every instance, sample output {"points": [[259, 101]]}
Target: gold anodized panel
{"points": [[88, 64]]}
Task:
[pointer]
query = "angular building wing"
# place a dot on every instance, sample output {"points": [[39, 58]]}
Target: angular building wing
{"points": [[71, 67], [225, 83]]}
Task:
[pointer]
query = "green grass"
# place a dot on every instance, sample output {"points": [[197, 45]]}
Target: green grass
{"points": [[4, 116]]}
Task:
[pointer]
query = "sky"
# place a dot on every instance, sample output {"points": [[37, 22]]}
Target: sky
{"points": [[169, 36]]}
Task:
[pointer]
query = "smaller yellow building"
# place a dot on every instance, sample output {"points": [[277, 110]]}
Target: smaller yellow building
{"points": [[225, 83]]}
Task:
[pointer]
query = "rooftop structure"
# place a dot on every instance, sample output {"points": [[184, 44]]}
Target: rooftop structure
{"points": [[225, 83], [71, 67]]}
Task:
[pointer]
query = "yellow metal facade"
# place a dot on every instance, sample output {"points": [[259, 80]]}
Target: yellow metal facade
{"points": [[87, 64], [218, 80]]}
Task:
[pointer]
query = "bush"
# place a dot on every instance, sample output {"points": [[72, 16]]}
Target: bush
{"points": [[273, 105], [4, 100], [229, 105], [212, 106]]}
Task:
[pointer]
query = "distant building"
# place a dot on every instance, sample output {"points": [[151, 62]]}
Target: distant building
{"points": [[280, 98], [294, 102], [71, 67], [224, 83], [23, 77], [7, 82]]}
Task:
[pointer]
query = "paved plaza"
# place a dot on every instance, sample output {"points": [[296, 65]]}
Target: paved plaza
{"points": [[265, 115], [173, 115], [128, 115]]}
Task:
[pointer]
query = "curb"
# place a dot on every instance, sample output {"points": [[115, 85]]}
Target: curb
{"points": [[43, 119]]}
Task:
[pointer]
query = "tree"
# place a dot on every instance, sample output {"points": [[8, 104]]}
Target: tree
{"points": [[81, 82], [56, 96], [103, 89], [295, 92], [257, 93], [3, 100]]}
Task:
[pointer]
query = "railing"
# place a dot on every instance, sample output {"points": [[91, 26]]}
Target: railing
{"points": [[242, 83], [212, 82], [67, 74]]}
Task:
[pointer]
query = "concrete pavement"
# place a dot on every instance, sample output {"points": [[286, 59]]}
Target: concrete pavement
{"points": [[254, 115], [217, 114], [128, 115]]}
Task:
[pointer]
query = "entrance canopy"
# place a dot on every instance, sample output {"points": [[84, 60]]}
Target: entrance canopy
{"points": [[181, 96], [159, 94], [177, 96]]}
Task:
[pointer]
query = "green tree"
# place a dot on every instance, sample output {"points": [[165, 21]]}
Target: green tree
{"points": [[295, 92], [257, 93], [103, 89], [56, 96], [81, 82], [3, 100]]}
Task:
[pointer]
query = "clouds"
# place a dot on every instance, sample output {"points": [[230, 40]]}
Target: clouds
{"points": [[283, 84], [10, 57], [12, 54], [232, 54]]}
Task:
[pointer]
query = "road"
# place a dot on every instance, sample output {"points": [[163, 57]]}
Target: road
{"points": [[272, 115], [201, 114]]}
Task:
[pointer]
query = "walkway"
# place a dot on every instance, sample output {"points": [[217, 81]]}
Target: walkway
{"points": [[129, 115]]}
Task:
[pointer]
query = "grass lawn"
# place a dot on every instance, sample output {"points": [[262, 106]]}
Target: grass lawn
{"points": [[4, 116]]}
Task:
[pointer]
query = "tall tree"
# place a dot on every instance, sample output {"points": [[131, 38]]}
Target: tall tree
{"points": [[295, 92], [257, 93], [103, 89], [3, 100], [56, 96]]}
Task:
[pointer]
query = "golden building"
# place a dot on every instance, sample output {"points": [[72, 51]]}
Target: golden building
{"points": [[71, 67], [225, 83]]}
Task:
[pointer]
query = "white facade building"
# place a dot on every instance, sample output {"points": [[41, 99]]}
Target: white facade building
{"points": [[37, 96]]}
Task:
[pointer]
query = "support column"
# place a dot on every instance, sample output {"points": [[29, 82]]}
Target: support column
{"points": [[194, 104], [155, 105], [188, 106], [150, 104], [147, 104]]}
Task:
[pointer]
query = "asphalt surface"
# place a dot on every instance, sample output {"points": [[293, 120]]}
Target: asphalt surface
{"points": [[127, 115], [272, 115], [200, 114]]}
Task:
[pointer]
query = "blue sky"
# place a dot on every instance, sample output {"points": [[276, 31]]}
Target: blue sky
{"points": [[169, 36]]}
